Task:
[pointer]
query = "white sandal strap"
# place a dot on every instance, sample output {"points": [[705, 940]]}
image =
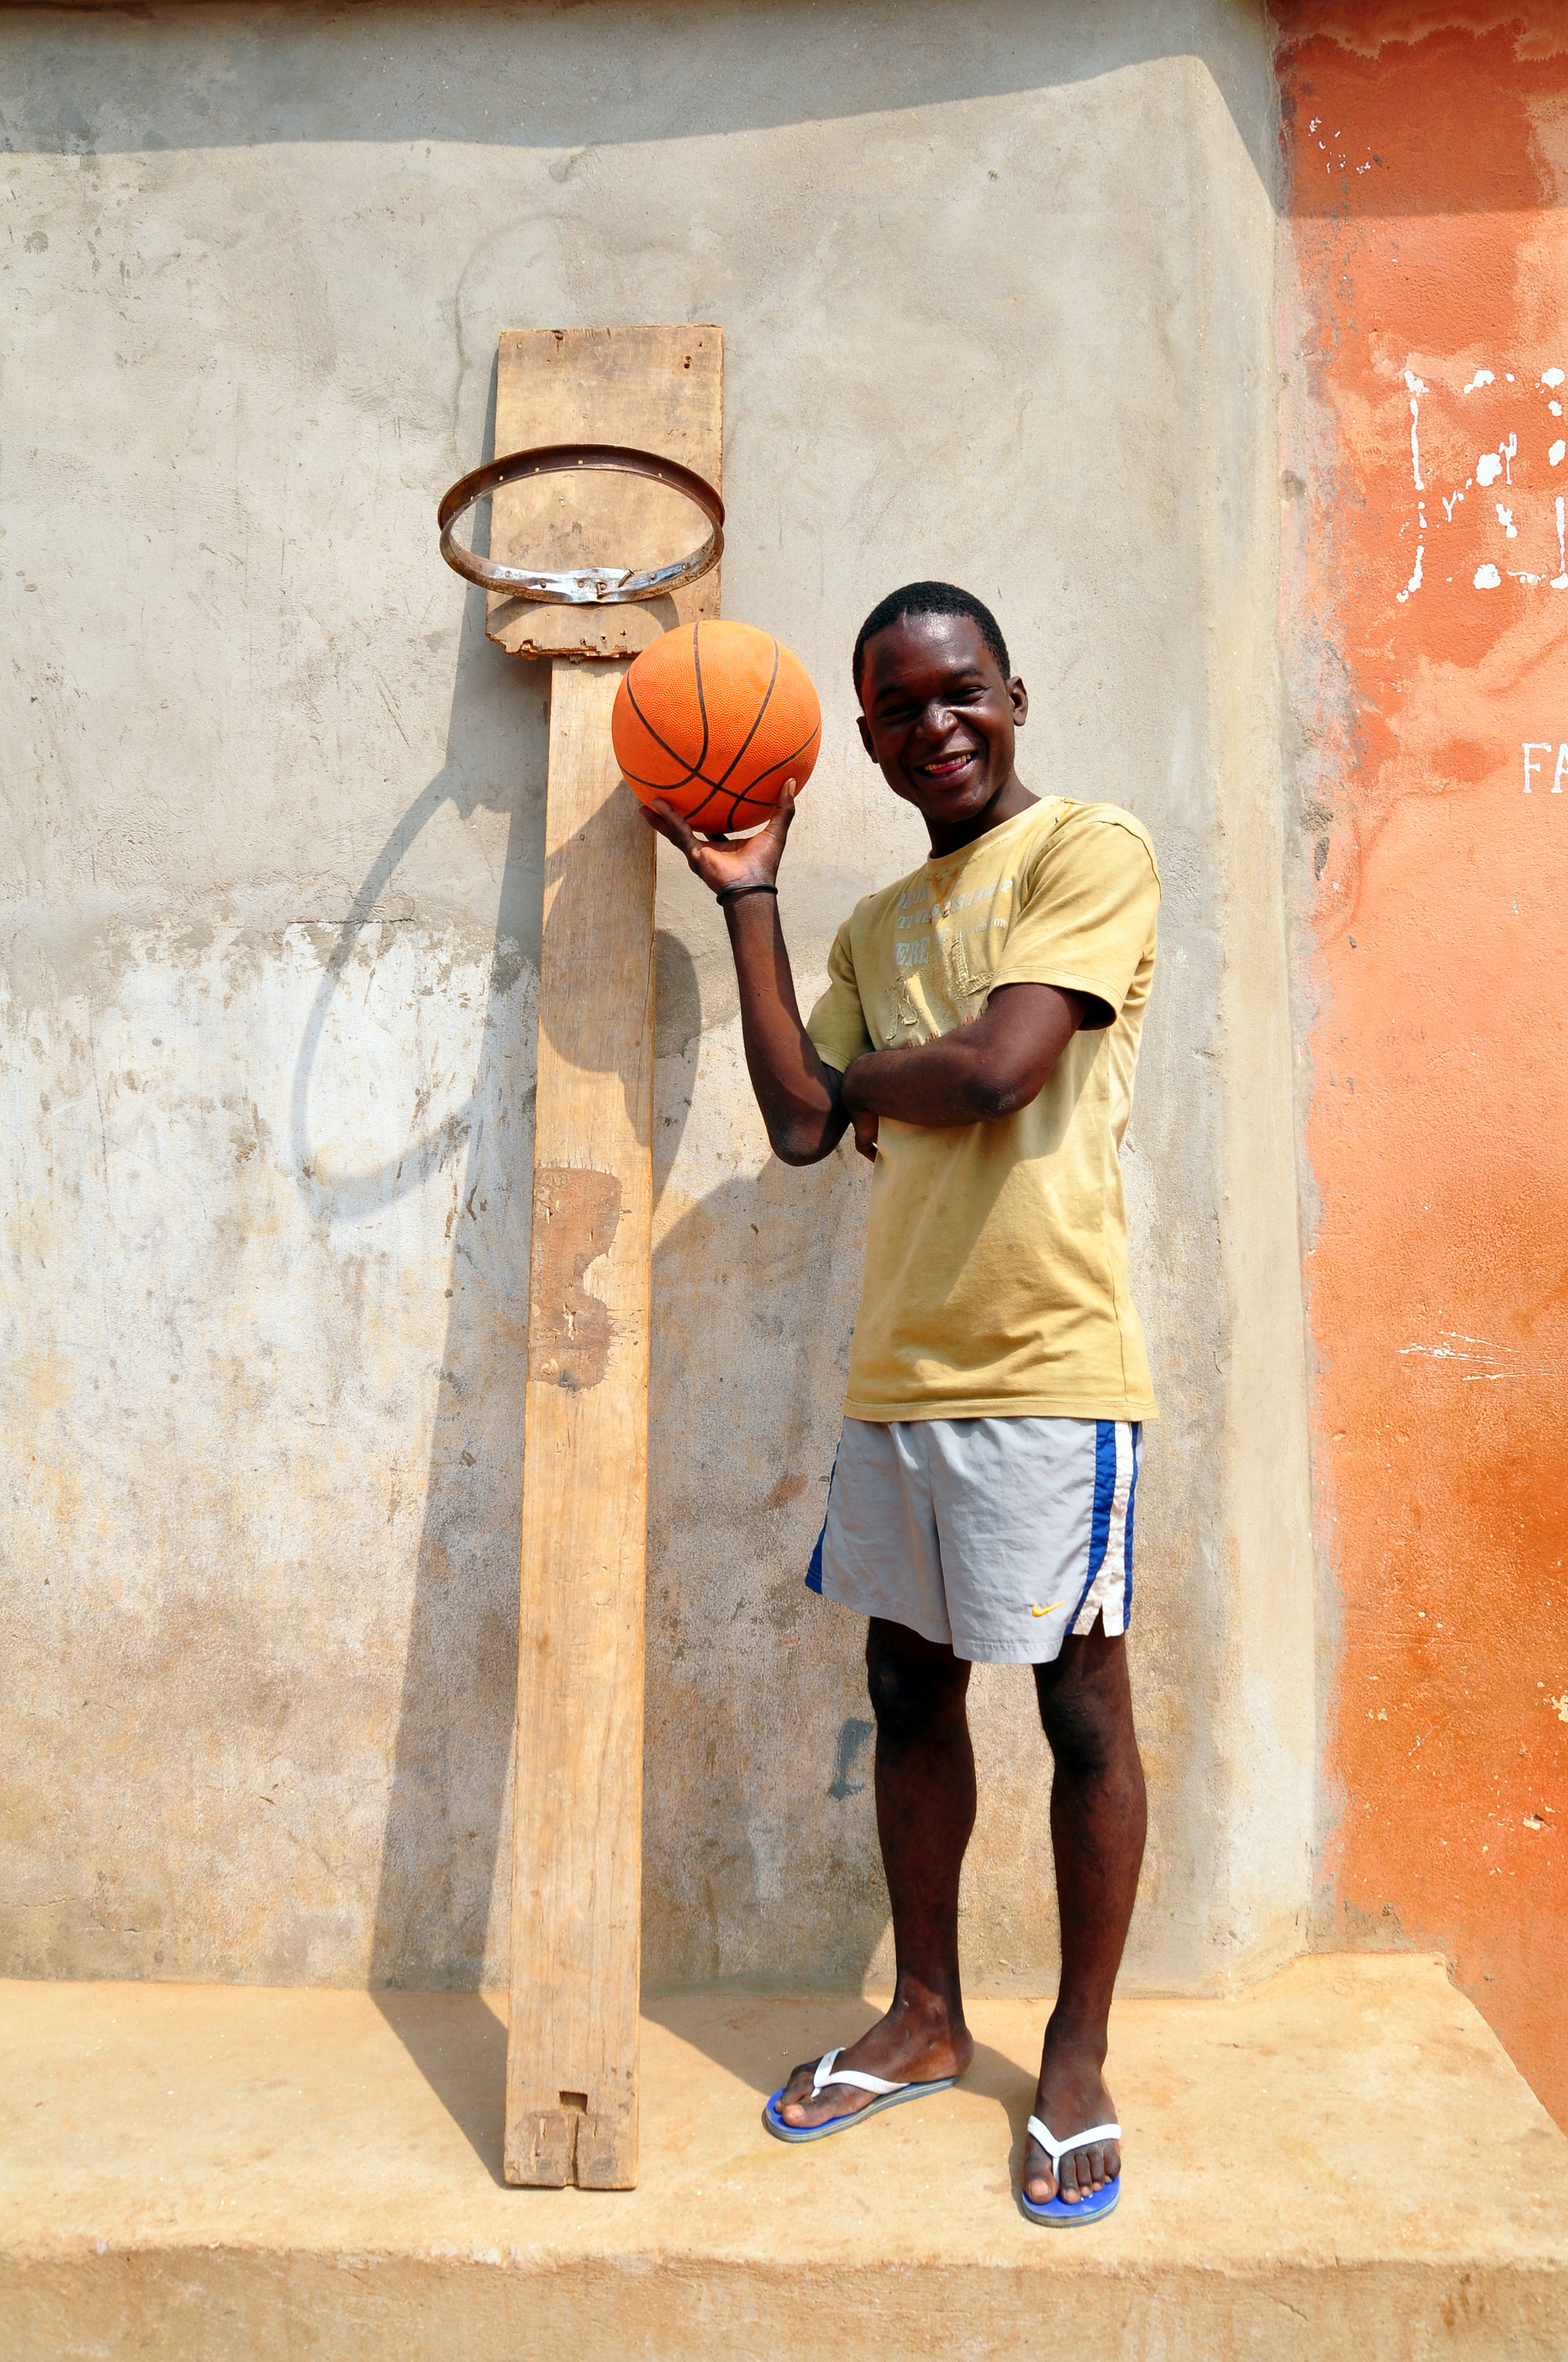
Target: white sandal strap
{"points": [[1057, 2150], [828, 2072]]}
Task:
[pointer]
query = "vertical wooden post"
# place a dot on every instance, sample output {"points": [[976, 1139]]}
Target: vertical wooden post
{"points": [[572, 2058], [571, 2101]]}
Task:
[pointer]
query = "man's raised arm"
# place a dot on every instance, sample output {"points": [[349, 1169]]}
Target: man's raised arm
{"points": [[801, 1100]]}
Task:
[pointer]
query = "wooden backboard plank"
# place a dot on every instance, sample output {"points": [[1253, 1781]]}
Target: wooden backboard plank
{"points": [[658, 389]]}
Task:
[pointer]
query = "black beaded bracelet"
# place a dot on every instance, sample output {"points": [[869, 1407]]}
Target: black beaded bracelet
{"points": [[733, 893]]}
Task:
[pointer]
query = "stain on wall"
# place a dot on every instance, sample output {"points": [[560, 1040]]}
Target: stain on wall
{"points": [[1425, 347]]}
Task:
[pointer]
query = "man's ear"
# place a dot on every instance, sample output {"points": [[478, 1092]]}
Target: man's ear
{"points": [[865, 729], [1020, 697]]}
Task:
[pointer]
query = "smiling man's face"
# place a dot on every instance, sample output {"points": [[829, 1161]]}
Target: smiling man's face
{"points": [[938, 719]]}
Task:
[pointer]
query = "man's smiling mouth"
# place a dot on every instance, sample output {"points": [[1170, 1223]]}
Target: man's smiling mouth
{"points": [[947, 766]]}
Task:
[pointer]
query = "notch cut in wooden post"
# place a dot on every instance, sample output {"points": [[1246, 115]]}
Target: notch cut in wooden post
{"points": [[572, 2058]]}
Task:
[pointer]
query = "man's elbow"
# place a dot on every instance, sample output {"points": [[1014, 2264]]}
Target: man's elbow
{"points": [[801, 1144], [994, 1093]]}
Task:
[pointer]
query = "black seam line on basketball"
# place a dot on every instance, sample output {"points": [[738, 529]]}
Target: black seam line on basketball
{"points": [[743, 797], [702, 702], [783, 764], [748, 793], [756, 719], [664, 787], [636, 778], [692, 819], [756, 806], [692, 769], [765, 811]]}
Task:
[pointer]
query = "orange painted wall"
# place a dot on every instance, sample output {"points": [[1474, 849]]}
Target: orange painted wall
{"points": [[1425, 244]]}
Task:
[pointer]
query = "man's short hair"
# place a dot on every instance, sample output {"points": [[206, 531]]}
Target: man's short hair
{"points": [[930, 598]]}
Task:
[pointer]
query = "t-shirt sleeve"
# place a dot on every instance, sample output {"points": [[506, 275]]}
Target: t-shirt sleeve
{"points": [[837, 1023], [1086, 914]]}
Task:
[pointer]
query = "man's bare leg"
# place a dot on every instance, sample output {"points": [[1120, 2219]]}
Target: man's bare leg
{"points": [[925, 1810], [1098, 1818]]}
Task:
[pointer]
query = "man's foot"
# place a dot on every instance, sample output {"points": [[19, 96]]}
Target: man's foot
{"points": [[905, 2047], [1068, 2098]]}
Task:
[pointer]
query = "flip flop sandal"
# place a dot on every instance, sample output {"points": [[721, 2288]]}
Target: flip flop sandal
{"points": [[890, 2095], [1095, 2204]]}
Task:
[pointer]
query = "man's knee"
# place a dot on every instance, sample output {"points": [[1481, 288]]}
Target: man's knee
{"points": [[1083, 1736], [1087, 1720], [912, 1694]]}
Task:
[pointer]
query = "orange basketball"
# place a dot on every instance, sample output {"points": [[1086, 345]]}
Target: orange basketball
{"points": [[714, 718]]}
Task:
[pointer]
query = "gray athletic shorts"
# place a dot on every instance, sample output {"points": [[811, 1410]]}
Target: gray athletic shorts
{"points": [[997, 1536]]}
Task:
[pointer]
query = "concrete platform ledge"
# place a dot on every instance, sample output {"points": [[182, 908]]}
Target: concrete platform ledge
{"points": [[1341, 2162]]}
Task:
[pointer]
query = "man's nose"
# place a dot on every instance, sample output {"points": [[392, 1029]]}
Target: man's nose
{"points": [[936, 720]]}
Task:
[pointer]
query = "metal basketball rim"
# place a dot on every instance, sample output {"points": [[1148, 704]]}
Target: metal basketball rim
{"points": [[588, 586]]}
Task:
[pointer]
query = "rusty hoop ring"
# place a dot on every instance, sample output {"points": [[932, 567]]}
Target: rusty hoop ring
{"points": [[588, 586]]}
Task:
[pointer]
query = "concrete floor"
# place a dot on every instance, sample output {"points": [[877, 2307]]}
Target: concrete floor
{"points": [[1341, 2162]]}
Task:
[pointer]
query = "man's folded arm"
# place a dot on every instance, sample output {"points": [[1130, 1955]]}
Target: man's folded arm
{"points": [[978, 1072]]}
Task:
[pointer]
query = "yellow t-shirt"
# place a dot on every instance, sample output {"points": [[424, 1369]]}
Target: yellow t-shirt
{"points": [[996, 1257]]}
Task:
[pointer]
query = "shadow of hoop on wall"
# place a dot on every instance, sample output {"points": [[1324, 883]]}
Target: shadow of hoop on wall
{"points": [[439, 1912], [449, 1736]]}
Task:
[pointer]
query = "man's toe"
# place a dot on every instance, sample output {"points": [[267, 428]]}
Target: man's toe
{"points": [[808, 2110], [796, 2095], [839, 2100], [809, 2107], [1093, 2166]]}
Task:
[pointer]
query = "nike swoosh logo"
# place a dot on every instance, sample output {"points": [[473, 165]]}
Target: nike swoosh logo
{"points": [[1047, 1611]]}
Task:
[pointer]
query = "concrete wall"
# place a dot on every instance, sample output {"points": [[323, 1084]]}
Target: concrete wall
{"points": [[1426, 337], [997, 287]]}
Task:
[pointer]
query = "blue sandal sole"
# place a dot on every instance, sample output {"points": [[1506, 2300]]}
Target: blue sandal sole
{"points": [[796, 2133], [1057, 2215]]}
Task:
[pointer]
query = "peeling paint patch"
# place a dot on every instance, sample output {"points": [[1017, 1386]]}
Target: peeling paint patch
{"points": [[576, 1216], [1417, 389]]}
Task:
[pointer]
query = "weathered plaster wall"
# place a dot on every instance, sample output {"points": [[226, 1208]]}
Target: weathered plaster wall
{"points": [[1426, 337], [998, 295]]}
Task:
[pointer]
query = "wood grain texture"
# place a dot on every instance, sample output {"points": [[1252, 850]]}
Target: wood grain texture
{"points": [[659, 389], [571, 2095], [571, 2068]]}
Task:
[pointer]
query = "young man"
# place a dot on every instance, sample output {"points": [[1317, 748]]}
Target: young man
{"points": [[980, 1032]]}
